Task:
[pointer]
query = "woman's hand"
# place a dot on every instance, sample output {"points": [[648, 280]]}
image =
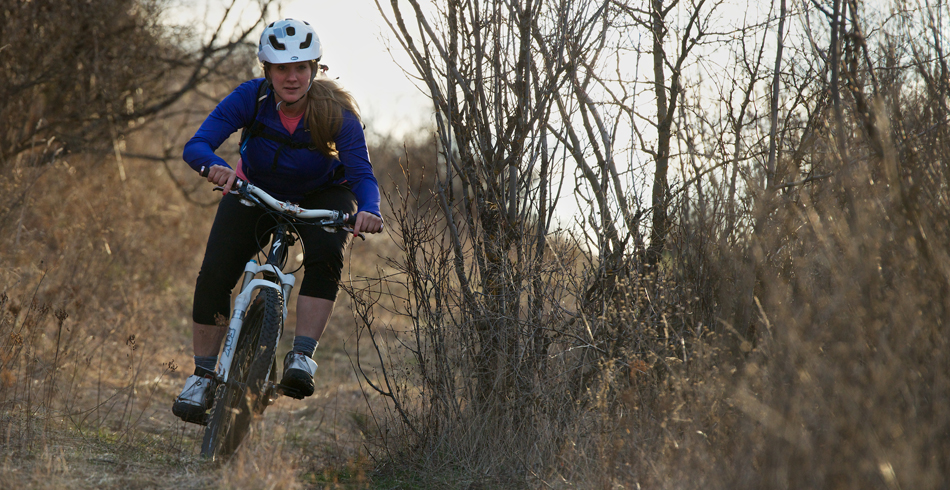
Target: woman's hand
{"points": [[367, 222], [222, 176]]}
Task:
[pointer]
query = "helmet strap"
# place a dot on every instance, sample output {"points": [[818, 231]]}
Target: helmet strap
{"points": [[301, 97]]}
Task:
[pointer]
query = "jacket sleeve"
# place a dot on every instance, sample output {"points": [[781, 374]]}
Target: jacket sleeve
{"points": [[231, 114], [351, 145]]}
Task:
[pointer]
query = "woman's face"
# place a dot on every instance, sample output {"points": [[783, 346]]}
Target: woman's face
{"points": [[290, 80]]}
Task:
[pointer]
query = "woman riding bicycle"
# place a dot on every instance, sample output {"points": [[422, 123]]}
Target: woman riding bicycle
{"points": [[305, 144]]}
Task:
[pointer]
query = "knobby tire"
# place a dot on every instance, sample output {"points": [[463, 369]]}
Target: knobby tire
{"points": [[255, 356]]}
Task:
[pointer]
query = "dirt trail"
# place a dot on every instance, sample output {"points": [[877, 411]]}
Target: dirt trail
{"points": [[308, 443]]}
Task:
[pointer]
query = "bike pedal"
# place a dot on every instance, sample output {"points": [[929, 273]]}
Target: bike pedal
{"points": [[271, 395]]}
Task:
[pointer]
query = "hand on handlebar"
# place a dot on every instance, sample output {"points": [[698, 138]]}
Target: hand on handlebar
{"points": [[221, 176], [368, 223], [224, 178]]}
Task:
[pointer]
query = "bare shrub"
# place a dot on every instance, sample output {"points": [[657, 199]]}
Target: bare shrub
{"points": [[842, 382], [95, 242], [786, 327]]}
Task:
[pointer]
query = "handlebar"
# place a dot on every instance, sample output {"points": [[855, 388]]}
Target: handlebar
{"points": [[326, 217]]}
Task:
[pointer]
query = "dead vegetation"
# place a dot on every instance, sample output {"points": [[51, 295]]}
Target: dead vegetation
{"points": [[790, 332]]}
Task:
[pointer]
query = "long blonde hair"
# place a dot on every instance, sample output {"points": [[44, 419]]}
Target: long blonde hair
{"points": [[325, 104]]}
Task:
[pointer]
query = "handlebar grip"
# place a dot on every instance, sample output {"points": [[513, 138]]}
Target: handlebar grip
{"points": [[351, 219], [204, 171]]}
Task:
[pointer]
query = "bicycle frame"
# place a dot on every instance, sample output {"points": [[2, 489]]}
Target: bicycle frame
{"points": [[282, 282]]}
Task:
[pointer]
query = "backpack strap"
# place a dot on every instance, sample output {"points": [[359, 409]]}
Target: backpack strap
{"points": [[257, 128], [261, 95]]}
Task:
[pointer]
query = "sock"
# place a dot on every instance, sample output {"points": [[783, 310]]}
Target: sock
{"points": [[205, 365], [305, 345]]}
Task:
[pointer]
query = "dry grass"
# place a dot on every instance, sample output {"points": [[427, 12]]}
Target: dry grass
{"points": [[843, 383], [95, 339], [804, 349]]}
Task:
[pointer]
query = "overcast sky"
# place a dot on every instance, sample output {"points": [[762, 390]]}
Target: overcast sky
{"points": [[355, 46], [355, 41]]}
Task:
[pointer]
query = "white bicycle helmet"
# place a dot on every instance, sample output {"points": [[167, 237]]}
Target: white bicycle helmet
{"points": [[289, 41]]}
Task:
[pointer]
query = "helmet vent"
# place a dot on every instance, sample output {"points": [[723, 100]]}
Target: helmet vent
{"points": [[279, 46], [287, 41]]}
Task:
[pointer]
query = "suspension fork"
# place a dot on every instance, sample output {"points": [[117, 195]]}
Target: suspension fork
{"points": [[273, 277]]}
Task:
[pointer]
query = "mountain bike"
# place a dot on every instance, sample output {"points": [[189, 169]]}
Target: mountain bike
{"points": [[244, 385]]}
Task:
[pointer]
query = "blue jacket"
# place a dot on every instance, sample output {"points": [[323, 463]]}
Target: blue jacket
{"points": [[285, 172]]}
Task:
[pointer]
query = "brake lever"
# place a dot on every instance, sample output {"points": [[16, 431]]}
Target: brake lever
{"points": [[220, 188], [350, 231], [350, 219]]}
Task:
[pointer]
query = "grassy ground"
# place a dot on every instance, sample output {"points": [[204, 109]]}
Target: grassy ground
{"points": [[96, 273], [844, 385]]}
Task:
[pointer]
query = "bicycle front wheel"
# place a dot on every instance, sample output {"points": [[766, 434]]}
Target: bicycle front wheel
{"points": [[244, 396]]}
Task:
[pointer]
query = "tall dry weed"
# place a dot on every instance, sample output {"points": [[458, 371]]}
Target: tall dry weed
{"points": [[836, 376], [264, 462], [792, 335], [91, 302]]}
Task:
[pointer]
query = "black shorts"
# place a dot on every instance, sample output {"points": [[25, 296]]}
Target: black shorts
{"points": [[238, 234]]}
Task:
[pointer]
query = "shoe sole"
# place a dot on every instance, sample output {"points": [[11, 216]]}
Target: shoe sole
{"points": [[190, 413], [298, 381]]}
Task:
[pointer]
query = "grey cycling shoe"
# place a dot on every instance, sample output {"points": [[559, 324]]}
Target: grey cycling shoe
{"points": [[195, 400], [298, 375]]}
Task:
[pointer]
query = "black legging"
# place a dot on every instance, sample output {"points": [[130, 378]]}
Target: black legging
{"points": [[240, 231]]}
